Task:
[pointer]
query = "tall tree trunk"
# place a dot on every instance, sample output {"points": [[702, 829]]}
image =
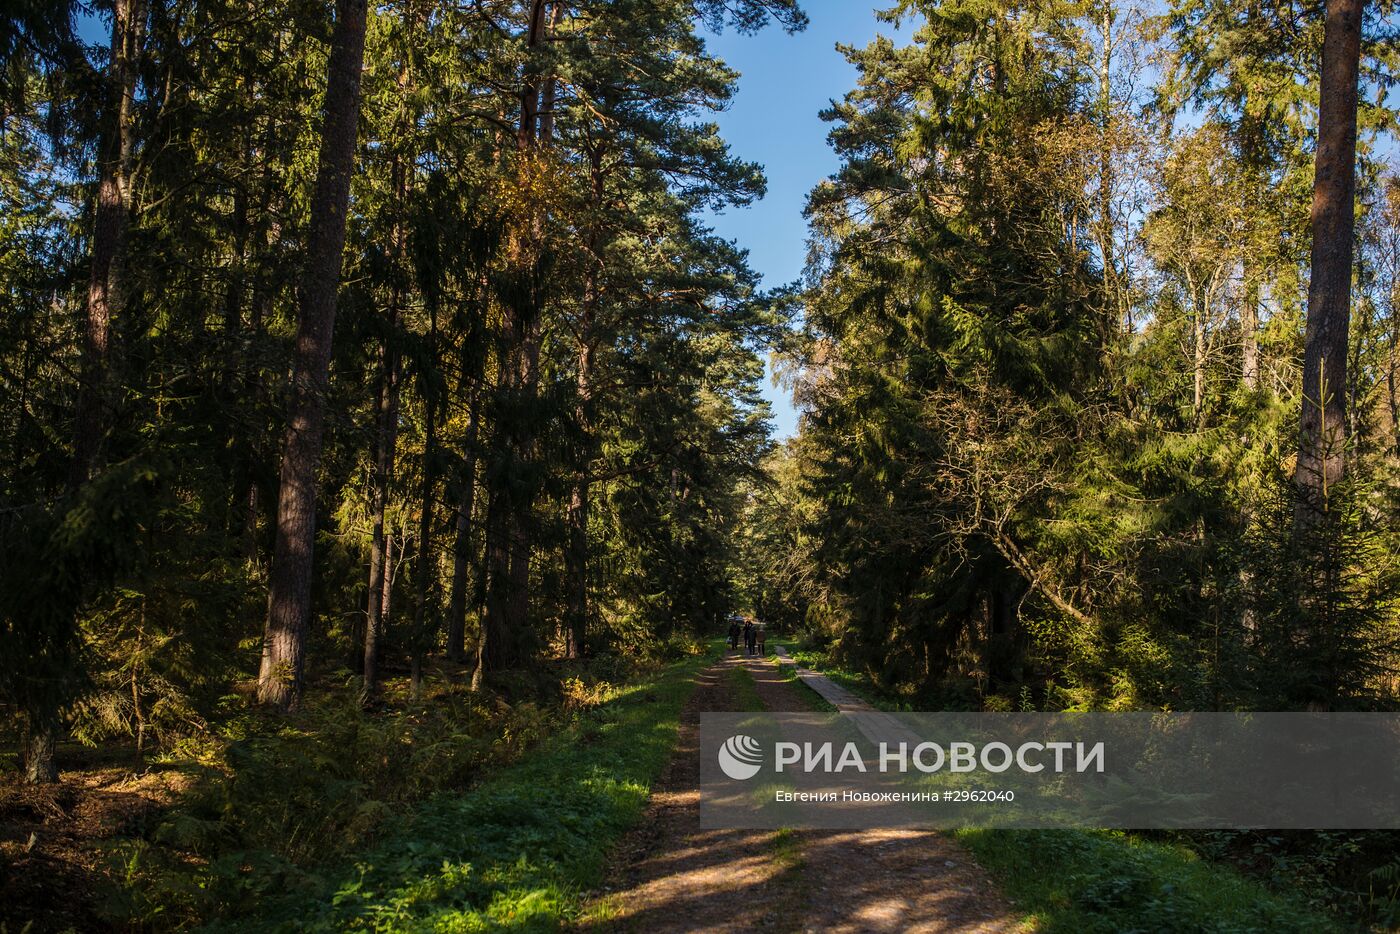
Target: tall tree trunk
{"points": [[108, 237], [251, 498], [387, 434], [510, 539], [234, 292], [386, 584], [1198, 365], [496, 649], [1107, 15], [576, 554], [40, 767], [289, 591], [104, 295], [521, 535], [1249, 331], [522, 522], [424, 622], [525, 131], [462, 542], [1392, 381], [1322, 423]]}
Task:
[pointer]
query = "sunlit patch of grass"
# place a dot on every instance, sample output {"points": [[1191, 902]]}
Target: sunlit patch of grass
{"points": [[745, 691], [787, 849], [600, 912]]}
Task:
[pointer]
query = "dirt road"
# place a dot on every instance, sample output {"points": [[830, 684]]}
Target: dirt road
{"points": [[671, 876]]}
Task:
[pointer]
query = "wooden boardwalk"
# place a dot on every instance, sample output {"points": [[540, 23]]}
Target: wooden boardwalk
{"points": [[875, 725]]}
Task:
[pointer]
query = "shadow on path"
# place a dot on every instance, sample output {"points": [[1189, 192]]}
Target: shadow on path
{"points": [[672, 876]]}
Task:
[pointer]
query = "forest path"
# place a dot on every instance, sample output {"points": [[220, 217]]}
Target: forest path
{"points": [[669, 875]]}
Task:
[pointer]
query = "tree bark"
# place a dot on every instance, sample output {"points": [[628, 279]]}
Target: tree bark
{"points": [[423, 620], [388, 433], [1322, 423], [386, 584], [254, 445], [40, 767], [521, 538], [289, 591], [1198, 365], [529, 87], [510, 533], [496, 647], [108, 238], [1249, 333], [576, 555], [387, 430], [104, 294], [462, 542], [1392, 383]]}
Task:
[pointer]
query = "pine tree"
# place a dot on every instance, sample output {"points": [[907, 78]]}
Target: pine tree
{"points": [[1323, 423], [289, 595]]}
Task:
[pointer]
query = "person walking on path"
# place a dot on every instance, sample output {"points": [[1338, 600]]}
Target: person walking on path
{"points": [[749, 636], [734, 634]]}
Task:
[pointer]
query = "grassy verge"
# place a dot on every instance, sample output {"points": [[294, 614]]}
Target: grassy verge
{"points": [[516, 850], [1087, 882], [1106, 881]]}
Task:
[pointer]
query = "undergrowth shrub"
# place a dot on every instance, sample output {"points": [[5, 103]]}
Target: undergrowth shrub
{"points": [[272, 797], [1355, 873]]}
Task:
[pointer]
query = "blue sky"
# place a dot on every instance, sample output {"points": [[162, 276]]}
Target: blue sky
{"points": [[785, 82]]}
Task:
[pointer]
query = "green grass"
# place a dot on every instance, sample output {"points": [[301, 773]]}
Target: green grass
{"points": [[788, 642], [516, 851], [1085, 882], [787, 850], [745, 691], [1107, 882]]}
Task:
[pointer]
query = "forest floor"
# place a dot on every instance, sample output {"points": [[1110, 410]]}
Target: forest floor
{"points": [[52, 856], [669, 875]]}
